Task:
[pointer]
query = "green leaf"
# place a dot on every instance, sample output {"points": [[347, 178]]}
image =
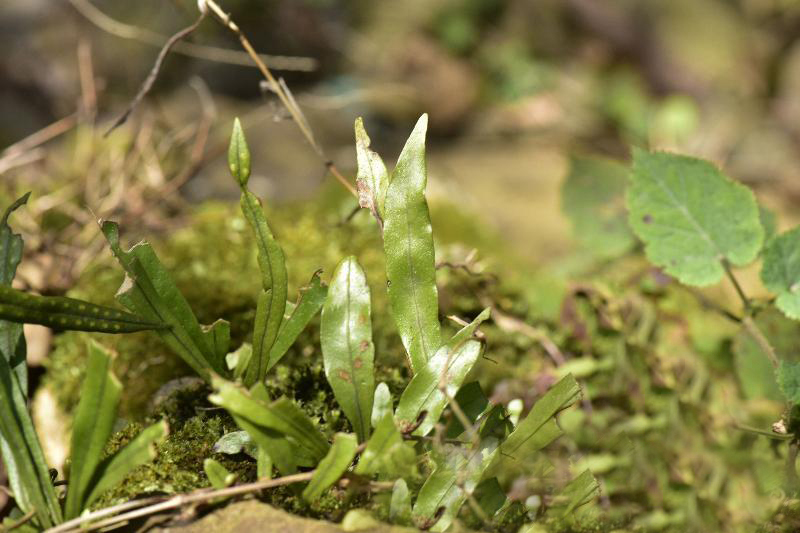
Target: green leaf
{"points": [[387, 453], [272, 301], [312, 297], [490, 496], [410, 258], [400, 506], [691, 216], [281, 416], [372, 179], [538, 428], [593, 198], [332, 466], [789, 381], [347, 349], [578, 492], [769, 221], [27, 468], [218, 475], [113, 470], [12, 340], [382, 404], [236, 442], [238, 360], [63, 313], [149, 291], [423, 396], [94, 423], [456, 476], [239, 154], [263, 464], [781, 271]]}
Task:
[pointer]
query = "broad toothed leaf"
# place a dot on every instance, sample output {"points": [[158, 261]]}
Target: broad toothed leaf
{"points": [[781, 271], [691, 216]]}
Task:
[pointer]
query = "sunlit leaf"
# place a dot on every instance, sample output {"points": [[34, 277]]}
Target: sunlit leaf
{"points": [[386, 452], [372, 178], [423, 395], [382, 404], [94, 422], [408, 246], [691, 216], [239, 154], [149, 291], [347, 349], [332, 466]]}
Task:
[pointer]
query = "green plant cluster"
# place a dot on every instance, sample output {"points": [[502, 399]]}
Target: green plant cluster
{"points": [[441, 443]]}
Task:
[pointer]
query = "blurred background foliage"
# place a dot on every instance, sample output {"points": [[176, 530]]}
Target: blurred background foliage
{"points": [[534, 105]]}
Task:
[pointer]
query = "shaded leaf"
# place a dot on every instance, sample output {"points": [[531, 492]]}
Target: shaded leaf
{"points": [[116, 468], [12, 340], [789, 381], [578, 492], [263, 464], [347, 349], [539, 428], [691, 216], [423, 396], [218, 475], [149, 291], [781, 271], [593, 197], [408, 246], [473, 402], [754, 370], [386, 452], [490, 496], [332, 466], [457, 475], [21, 448], [94, 423], [62, 313], [281, 416], [272, 300], [372, 179], [238, 360], [311, 299], [400, 505]]}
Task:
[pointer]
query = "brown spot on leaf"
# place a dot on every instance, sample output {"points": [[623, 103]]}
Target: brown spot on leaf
{"points": [[363, 346], [647, 219], [344, 375], [357, 363]]}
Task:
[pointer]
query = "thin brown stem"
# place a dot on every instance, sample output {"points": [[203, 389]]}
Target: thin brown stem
{"points": [[281, 90]]}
